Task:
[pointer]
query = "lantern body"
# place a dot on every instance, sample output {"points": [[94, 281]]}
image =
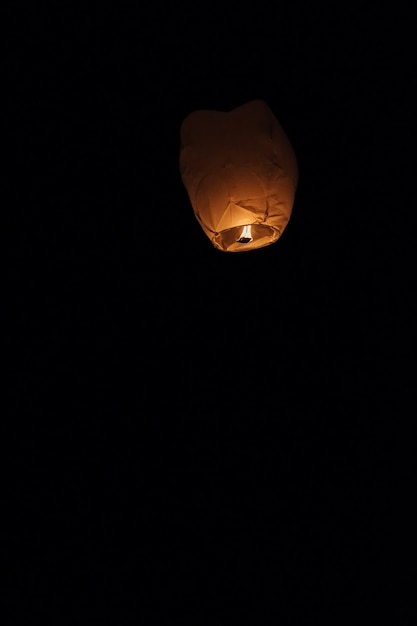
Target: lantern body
{"points": [[240, 172]]}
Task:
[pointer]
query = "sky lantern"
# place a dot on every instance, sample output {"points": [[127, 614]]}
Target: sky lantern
{"points": [[240, 172]]}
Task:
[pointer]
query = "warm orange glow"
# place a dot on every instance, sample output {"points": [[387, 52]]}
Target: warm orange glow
{"points": [[241, 175]]}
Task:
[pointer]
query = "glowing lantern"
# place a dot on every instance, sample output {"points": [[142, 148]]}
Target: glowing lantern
{"points": [[240, 173]]}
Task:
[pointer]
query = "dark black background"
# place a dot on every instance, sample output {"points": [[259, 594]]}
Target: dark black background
{"points": [[198, 436]]}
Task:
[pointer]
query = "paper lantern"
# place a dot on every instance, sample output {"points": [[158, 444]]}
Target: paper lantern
{"points": [[240, 173]]}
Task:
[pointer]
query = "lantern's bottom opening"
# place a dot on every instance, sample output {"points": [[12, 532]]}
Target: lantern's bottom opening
{"points": [[238, 239]]}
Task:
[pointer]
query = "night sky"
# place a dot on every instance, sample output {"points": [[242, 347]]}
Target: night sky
{"points": [[197, 436]]}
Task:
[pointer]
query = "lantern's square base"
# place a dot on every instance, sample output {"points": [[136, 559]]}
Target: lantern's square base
{"points": [[232, 240]]}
